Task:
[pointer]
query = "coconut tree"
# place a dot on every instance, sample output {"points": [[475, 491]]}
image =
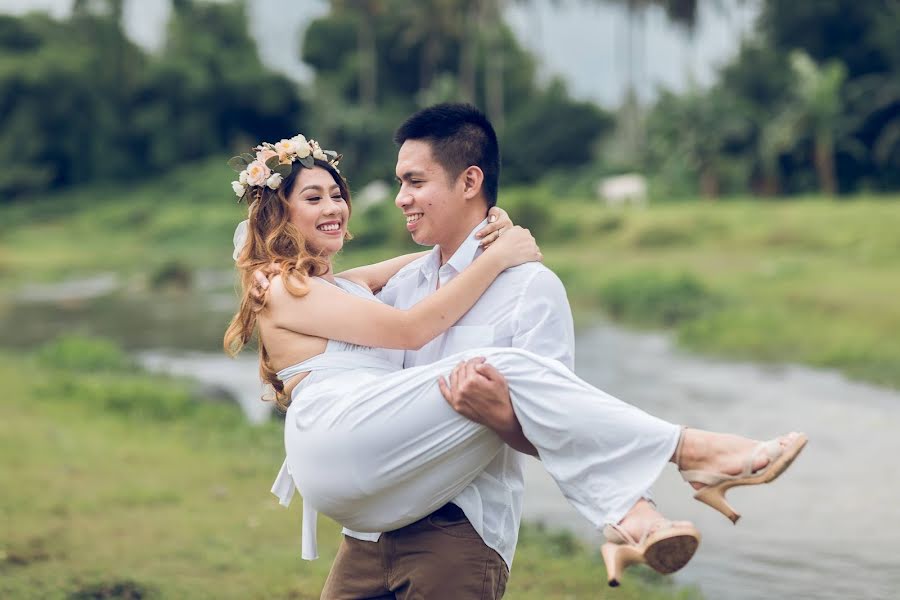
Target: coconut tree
{"points": [[819, 107], [695, 130], [364, 14]]}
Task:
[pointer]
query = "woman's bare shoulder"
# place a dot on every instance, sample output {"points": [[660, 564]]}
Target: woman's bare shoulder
{"points": [[278, 287]]}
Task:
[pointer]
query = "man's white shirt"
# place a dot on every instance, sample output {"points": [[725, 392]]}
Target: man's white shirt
{"points": [[526, 307]]}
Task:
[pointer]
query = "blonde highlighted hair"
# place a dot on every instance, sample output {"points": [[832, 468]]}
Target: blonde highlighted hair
{"points": [[272, 238]]}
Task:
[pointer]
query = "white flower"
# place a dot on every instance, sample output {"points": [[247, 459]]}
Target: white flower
{"points": [[242, 178], [238, 188], [302, 150], [318, 154], [274, 181], [285, 148], [257, 173]]}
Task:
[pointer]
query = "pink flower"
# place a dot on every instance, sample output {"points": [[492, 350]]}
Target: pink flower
{"points": [[265, 154], [258, 172]]}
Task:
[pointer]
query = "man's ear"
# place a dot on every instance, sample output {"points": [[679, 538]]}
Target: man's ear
{"points": [[473, 178]]}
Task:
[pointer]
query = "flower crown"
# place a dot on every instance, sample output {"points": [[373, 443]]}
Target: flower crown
{"points": [[273, 162]]}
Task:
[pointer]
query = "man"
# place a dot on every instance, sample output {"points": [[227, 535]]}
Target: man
{"points": [[448, 168]]}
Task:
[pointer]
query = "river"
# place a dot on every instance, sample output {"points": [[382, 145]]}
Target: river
{"points": [[829, 529]]}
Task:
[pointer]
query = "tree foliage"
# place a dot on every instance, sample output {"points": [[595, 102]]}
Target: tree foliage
{"points": [[79, 101], [445, 50], [817, 86]]}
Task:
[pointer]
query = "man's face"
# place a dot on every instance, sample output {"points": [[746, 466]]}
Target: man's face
{"points": [[433, 205]]}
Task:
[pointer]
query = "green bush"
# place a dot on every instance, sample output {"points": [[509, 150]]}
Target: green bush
{"points": [[661, 235], [172, 274], [84, 354], [606, 223], [651, 298], [531, 213]]}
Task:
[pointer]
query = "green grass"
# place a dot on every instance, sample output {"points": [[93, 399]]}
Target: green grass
{"points": [[118, 482], [810, 280]]}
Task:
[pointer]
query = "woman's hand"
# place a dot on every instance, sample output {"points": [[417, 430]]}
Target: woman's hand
{"points": [[260, 285], [498, 221], [515, 246]]}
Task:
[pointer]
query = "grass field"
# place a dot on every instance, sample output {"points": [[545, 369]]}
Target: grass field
{"points": [[808, 281], [117, 484], [115, 481]]}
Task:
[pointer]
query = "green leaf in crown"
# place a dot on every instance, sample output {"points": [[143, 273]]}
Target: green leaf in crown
{"points": [[238, 163]]}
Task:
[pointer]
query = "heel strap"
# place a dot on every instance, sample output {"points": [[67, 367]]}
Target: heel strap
{"points": [[679, 447], [617, 535]]}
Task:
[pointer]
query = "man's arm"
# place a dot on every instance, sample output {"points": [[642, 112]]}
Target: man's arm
{"points": [[543, 325], [480, 393]]}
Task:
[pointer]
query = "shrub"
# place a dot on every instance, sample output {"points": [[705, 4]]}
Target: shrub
{"points": [[531, 213], [661, 235], [173, 274], [85, 354], [655, 299]]}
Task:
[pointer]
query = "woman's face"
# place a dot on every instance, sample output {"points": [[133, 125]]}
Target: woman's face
{"points": [[318, 210]]}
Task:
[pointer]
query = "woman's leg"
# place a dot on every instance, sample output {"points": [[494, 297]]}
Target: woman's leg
{"points": [[391, 450], [603, 453]]}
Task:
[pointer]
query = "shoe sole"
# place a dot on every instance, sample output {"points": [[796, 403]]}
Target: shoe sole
{"points": [[672, 552], [784, 461]]}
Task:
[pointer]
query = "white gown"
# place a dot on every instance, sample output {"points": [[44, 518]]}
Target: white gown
{"points": [[376, 447]]}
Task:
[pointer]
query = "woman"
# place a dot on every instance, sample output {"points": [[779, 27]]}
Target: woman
{"points": [[376, 447]]}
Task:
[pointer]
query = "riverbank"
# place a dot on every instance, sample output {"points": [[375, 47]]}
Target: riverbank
{"points": [[119, 482], [808, 281]]}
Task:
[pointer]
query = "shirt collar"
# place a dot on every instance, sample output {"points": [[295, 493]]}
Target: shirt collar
{"points": [[462, 258]]}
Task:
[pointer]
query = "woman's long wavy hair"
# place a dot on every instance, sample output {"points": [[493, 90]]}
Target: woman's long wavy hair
{"points": [[272, 238]]}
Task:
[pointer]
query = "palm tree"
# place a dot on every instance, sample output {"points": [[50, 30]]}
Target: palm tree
{"points": [[682, 13], [876, 98], [819, 106], [364, 13]]}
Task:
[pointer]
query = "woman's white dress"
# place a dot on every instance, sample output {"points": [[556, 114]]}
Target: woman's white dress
{"points": [[376, 447]]}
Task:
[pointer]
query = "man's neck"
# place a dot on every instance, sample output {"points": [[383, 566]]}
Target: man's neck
{"points": [[460, 234]]}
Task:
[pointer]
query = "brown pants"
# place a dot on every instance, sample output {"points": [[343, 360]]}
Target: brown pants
{"points": [[436, 558]]}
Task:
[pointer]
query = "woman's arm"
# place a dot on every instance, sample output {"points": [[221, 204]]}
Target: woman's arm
{"points": [[329, 312], [376, 276]]}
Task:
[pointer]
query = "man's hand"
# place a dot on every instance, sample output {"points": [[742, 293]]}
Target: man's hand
{"points": [[480, 393], [261, 285]]}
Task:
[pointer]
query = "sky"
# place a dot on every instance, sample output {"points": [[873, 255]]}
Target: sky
{"points": [[583, 43]]}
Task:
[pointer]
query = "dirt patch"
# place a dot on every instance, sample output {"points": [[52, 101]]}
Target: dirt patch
{"points": [[20, 556], [119, 590]]}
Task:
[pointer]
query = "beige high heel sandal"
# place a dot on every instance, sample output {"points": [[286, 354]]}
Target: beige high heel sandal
{"points": [[665, 548], [716, 484]]}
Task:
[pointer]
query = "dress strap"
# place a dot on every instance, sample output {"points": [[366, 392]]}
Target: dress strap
{"points": [[284, 488]]}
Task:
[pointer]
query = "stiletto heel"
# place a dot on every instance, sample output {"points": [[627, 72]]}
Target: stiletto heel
{"points": [[617, 558], [715, 497], [716, 484], [665, 548]]}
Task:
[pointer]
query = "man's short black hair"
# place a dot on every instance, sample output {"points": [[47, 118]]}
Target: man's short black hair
{"points": [[460, 136]]}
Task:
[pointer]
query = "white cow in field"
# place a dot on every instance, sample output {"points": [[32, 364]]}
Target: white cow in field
{"points": [[622, 189], [372, 193]]}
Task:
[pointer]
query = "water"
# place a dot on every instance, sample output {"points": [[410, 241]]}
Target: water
{"points": [[829, 529]]}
